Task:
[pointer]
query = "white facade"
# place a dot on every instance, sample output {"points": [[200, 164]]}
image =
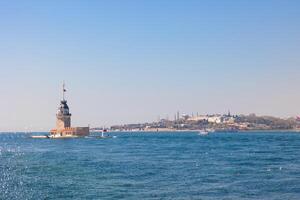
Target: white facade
{"points": [[212, 119], [215, 119]]}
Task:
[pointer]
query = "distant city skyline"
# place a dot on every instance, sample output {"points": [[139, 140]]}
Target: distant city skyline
{"points": [[132, 61]]}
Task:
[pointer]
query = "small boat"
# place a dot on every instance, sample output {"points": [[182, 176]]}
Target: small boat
{"points": [[102, 136], [40, 136], [203, 132]]}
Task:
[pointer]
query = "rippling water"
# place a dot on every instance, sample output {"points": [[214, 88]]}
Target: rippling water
{"points": [[152, 166]]}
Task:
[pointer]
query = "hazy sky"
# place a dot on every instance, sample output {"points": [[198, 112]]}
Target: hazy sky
{"points": [[132, 61]]}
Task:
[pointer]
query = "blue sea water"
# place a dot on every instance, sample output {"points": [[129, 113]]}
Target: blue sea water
{"points": [[152, 166]]}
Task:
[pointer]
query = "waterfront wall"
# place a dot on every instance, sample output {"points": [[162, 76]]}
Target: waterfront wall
{"points": [[82, 131]]}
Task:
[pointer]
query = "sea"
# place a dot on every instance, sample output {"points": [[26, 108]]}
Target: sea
{"points": [[137, 166]]}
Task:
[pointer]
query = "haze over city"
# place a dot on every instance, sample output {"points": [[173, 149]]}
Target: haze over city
{"points": [[132, 61]]}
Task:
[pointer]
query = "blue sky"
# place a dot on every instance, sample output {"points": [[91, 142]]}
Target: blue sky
{"points": [[132, 61]]}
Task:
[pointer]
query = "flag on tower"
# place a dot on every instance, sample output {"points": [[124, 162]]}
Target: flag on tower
{"points": [[64, 85]]}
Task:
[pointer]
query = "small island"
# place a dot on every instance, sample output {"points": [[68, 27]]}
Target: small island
{"points": [[63, 122]]}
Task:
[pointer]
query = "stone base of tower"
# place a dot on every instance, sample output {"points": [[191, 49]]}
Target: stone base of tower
{"points": [[71, 132]]}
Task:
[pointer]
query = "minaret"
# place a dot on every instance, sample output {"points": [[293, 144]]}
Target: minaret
{"points": [[63, 117]]}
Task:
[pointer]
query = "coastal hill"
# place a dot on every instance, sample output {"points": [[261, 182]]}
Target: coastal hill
{"points": [[216, 122]]}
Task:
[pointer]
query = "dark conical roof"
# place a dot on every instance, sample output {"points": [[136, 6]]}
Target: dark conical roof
{"points": [[64, 104]]}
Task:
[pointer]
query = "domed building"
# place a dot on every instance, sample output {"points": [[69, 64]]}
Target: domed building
{"points": [[63, 122]]}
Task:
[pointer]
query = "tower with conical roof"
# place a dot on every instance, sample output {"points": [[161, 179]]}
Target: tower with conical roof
{"points": [[63, 116], [63, 121]]}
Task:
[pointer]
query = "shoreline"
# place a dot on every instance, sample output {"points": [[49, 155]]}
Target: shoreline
{"points": [[180, 131], [166, 131]]}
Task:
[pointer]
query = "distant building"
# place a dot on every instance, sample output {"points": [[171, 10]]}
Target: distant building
{"points": [[63, 122], [178, 115], [228, 120], [198, 118], [185, 117], [210, 118], [215, 119]]}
